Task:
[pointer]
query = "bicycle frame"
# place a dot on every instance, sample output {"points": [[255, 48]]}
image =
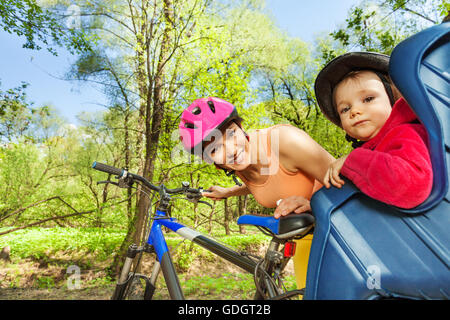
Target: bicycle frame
{"points": [[274, 261], [157, 240]]}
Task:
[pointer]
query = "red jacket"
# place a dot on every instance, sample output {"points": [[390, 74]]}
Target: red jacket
{"points": [[394, 167]]}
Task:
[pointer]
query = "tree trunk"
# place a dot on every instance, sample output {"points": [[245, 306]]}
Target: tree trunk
{"points": [[211, 214], [226, 222], [153, 120], [117, 261], [242, 211], [119, 258]]}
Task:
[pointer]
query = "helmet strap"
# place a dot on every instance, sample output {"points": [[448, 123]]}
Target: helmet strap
{"points": [[355, 142], [231, 173]]}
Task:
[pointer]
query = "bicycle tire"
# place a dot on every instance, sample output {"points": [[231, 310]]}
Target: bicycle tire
{"points": [[137, 287]]}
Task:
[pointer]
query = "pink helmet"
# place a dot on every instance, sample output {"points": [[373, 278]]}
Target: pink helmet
{"points": [[202, 117]]}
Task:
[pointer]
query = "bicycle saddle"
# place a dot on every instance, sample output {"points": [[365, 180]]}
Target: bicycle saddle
{"points": [[286, 227]]}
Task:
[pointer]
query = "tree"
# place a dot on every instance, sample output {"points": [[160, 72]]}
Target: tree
{"points": [[153, 58], [136, 61], [381, 25], [286, 85], [40, 27], [15, 113]]}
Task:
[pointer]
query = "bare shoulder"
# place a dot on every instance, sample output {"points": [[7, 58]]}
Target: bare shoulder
{"points": [[297, 150], [290, 137]]}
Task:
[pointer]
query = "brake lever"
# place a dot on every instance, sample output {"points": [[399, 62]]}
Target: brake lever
{"points": [[196, 200], [107, 181], [207, 203], [121, 184]]}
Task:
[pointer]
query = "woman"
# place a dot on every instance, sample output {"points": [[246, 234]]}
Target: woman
{"points": [[280, 162]]}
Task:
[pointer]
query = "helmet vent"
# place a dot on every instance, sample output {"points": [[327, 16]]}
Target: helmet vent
{"points": [[211, 106], [189, 125], [196, 111]]}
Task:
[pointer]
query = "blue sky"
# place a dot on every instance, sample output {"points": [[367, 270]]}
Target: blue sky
{"points": [[305, 18], [43, 71]]}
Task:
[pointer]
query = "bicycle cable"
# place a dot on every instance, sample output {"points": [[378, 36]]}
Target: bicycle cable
{"points": [[255, 276]]}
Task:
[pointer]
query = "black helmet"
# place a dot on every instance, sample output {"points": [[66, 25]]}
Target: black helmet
{"points": [[338, 68]]}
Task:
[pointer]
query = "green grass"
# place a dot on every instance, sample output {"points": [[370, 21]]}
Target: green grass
{"points": [[243, 242], [39, 242], [185, 253], [227, 286], [224, 287], [42, 242], [45, 282]]}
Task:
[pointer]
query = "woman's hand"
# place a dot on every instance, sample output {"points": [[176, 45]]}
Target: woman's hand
{"points": [[332, 174], [216, 193], [292, 204]]}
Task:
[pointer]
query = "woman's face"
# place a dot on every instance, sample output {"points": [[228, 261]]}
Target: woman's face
{"points": [[229, 149]]}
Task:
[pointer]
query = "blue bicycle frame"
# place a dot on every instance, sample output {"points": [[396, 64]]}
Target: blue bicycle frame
{"points": [[158, 242], [282, 231]]}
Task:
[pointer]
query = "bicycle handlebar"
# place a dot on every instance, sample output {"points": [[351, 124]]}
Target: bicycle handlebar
{"points": [[106, 168], [121, 172]]}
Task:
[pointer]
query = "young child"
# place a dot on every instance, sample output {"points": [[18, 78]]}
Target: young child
{"points": [[392, 163]]}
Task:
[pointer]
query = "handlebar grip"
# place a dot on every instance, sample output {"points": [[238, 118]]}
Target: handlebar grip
{"points": [[106, 168]]}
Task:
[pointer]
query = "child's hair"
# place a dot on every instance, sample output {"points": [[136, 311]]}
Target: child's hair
{"points": [[392, 92]]}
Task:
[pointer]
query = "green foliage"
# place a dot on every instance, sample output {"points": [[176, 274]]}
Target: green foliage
{"points": [[15, 112], [223, 286], [380, 25], [227, 286], [40, 242], [19, 172], [186, 253], [40, 27], [45, 282]]}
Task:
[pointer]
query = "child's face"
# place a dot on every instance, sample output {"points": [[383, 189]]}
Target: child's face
{"points": [[363, 105]]}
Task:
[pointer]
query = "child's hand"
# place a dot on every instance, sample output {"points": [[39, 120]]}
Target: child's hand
{"points": [[292, 204], [332, 174]]}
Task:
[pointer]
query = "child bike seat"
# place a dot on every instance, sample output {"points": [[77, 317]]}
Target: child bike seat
{"points": [[365, 249], [286, 227], [420, 67]]}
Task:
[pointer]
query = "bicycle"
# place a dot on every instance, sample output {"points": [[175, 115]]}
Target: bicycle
{"points": [[267, 271]]}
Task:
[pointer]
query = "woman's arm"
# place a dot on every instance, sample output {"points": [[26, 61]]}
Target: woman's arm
{"points": [[298, 151], [219, 193]]}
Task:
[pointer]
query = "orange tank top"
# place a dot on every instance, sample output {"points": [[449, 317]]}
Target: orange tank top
{"points": [[281, 183]]}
